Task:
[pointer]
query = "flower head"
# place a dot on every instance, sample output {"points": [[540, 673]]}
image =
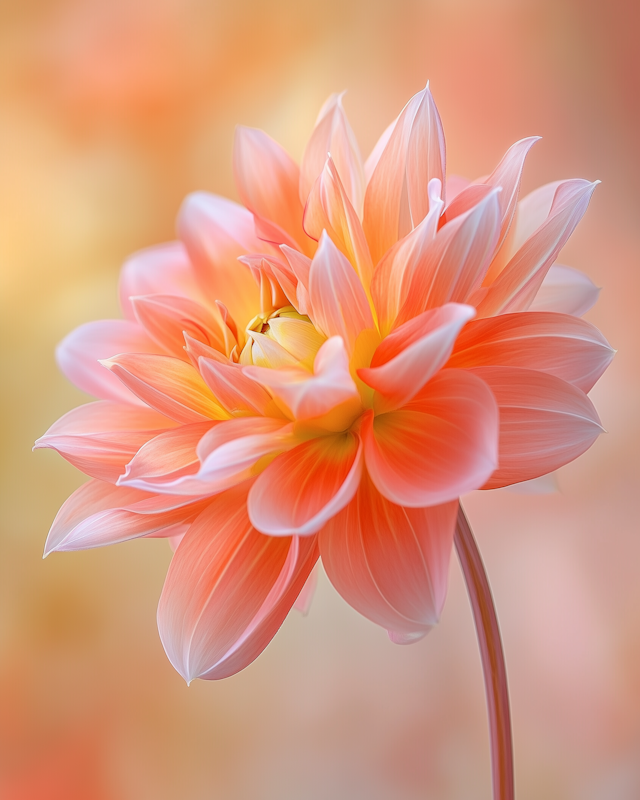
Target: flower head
{"points": [[324, 370]]}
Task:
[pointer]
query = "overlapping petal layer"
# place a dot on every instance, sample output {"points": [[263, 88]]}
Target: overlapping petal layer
{"points": [[328, 367]]}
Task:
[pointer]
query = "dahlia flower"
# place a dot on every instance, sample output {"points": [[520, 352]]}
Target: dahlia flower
{"points": [[324, 370]]}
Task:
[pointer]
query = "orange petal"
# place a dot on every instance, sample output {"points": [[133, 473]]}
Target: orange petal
{"points": [[544, 423], [216, 231], [426, 157], [558, 344], [166, 458], [413, 353], [80, 353], [268, 179], [97, 514], [390, 563], [308, 396], [228, 590], [391, 277], [507, 175], [101, 438], [328, 208], [338, 301], [303, 488], [438, 447], [456, 261], [172, 387], [518, 283], [166, 318], [333, 134], [164, 269], [233, 390], [412, 154], [566, 291]]}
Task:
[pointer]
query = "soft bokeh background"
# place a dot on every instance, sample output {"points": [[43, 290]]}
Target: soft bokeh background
{"points": [[113, 110]]}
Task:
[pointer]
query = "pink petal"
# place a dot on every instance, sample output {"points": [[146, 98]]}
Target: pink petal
{"points": [[301, 267], [441, 445], [413, 353], [390, 563], [456, 261], [390, 284], [172, 387], [328, 208], [101, 438], [544, 423], [228, 590], [558, 344], [426, 157], [233, 389], [566, 291], [166, 318], [338, 301], [216, 231], [96, 514], [229, 453], [303, 488], [455, 184], [268, 179], [333, 134], [308, 396], [79, 355], [305, 598], [166, 458], [411, 156], [507, 175], [518, 283], [164, 269]]}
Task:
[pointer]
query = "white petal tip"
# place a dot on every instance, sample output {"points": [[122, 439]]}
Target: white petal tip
{"points": [[406, 638]]}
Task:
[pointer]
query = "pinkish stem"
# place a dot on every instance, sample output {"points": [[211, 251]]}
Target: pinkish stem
{"points": [[493, 666]]}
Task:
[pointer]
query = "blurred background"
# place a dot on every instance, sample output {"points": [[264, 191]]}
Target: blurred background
{"points": [[112, 111]]}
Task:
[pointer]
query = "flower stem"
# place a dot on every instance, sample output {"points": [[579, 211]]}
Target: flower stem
{"points": [[493, 665]]}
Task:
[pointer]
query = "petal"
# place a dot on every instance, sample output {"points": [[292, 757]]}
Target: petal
{"points": [[166, 458], [228, 590], [172, 387], [518, 283], [328, 208], [303, 488], [565, 290], [80, 353], [559, 344], [390, 284], [308, 396], [97, 514], [456, 261], [413, 353], [412, 154], [230, 453], [390, 563], [333, 134], [426, 156], [215, 232], [439, 446], [237, 393], [164, 269], [268, 180], [298, 337], [544, 423], [166, 318], [338, 301], [507, 175], [101, 438], [305, 598]]}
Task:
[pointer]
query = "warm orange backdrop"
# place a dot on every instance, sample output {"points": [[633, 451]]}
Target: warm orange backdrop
{"points": [[112, 110]]}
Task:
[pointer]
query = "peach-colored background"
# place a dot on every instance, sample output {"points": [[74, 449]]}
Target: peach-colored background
{"points": [[112, 111]]}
